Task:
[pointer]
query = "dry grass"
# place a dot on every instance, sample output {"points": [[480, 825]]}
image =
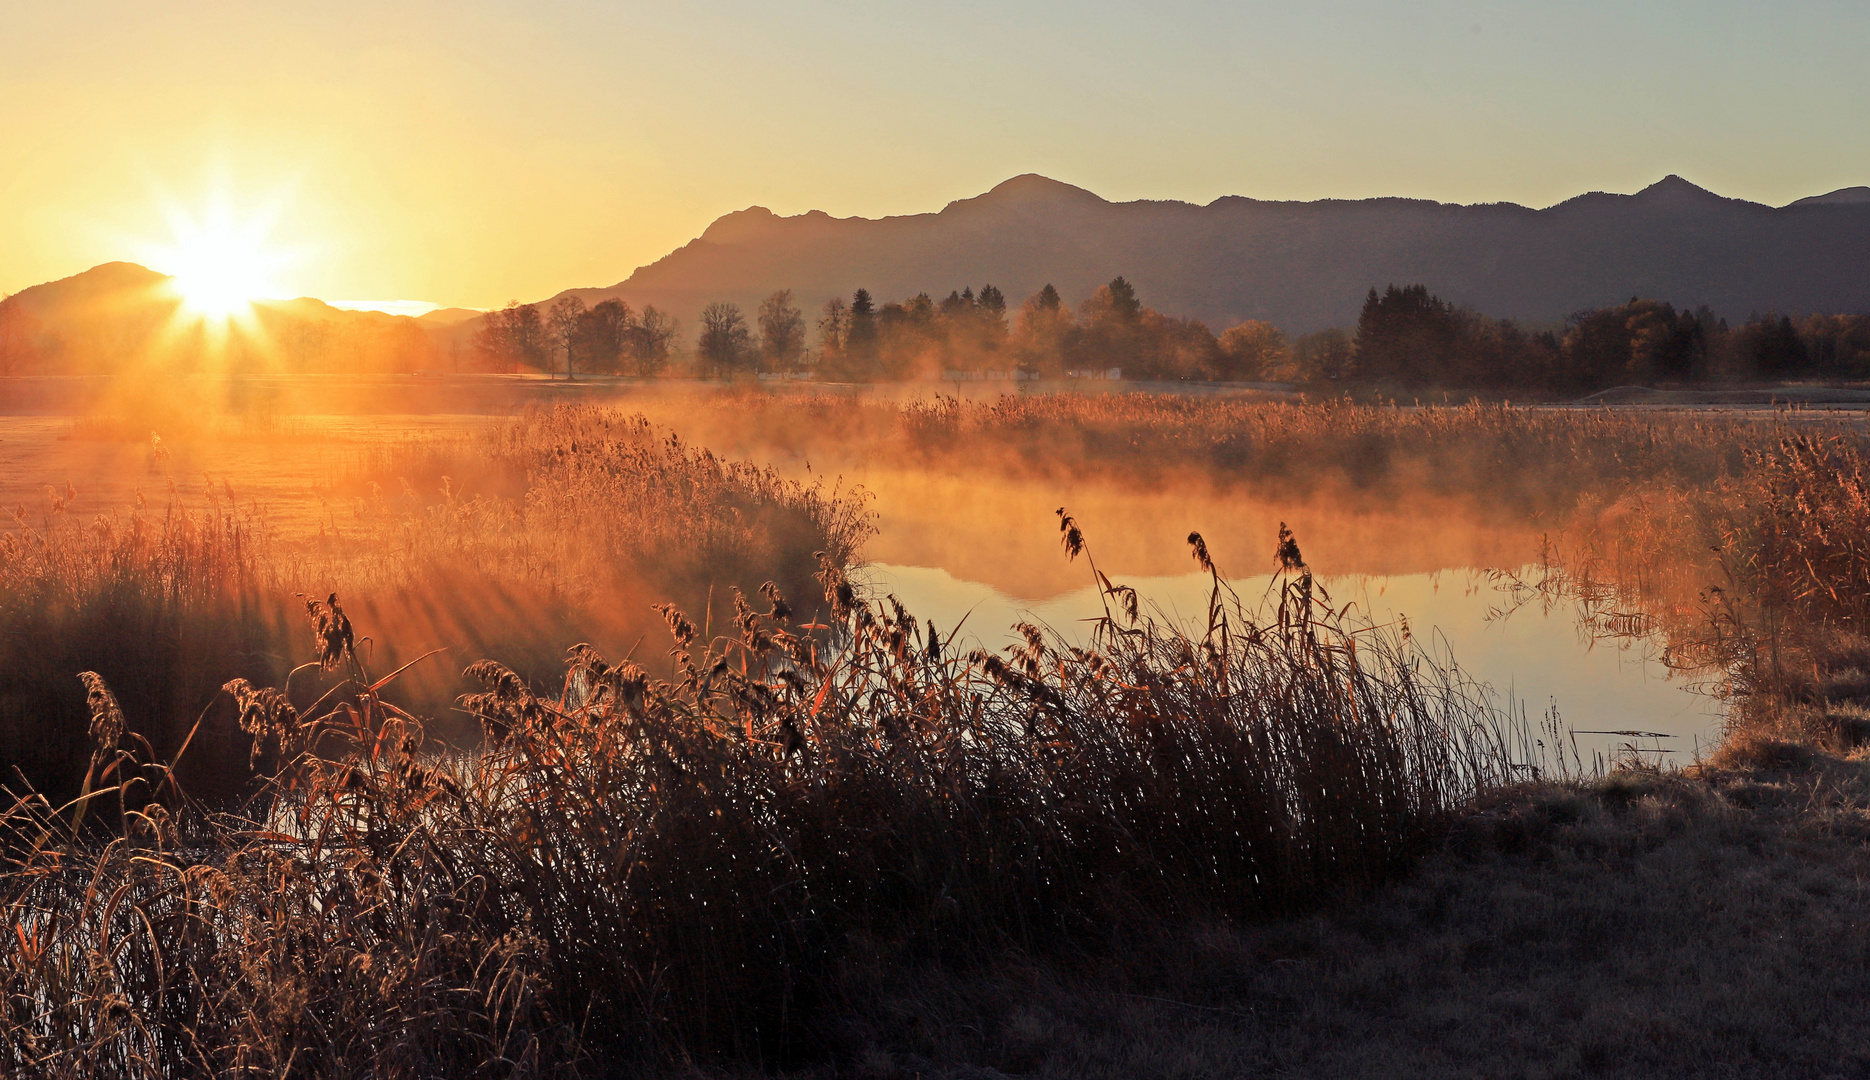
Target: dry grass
{"points": [[582, 500], [1646, 924], [165, 606], [599, 516], [643, 871]]}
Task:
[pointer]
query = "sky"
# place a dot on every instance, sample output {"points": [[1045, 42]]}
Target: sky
{"points": [[471, 152]]}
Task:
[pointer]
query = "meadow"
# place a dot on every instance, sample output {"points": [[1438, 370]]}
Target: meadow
{"points": [[681, 797]]}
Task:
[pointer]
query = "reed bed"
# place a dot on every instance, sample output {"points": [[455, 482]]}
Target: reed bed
{"points": [[576, 499], [1519, 460], [596, 516], [644, 870], [166, 606], [698, 862]]}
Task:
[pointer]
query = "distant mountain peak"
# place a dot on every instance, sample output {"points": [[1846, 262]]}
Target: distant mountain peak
{"points": [[1672, 190], [123, 271], [1030, 186], [1840, 197], [1030, 189], [740, 226]]}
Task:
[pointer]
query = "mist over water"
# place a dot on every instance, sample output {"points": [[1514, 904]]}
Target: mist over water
{"points": [[972, 544], [983, 554]]}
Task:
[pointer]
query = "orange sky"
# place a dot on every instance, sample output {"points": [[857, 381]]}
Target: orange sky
{"points": [[472, 152]]}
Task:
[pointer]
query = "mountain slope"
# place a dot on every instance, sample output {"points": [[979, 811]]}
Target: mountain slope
{"points": [[1302, 265], [120, 317]]}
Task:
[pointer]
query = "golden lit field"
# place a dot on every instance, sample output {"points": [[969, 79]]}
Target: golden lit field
{"points": [[677, 796]]}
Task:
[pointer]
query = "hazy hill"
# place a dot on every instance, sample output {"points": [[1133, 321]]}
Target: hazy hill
{"points": [[1302, 265], [112, 286], [121, 316], [451, 316]]}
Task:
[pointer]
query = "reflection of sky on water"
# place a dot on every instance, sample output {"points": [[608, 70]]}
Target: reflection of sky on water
{"points": [[1537, 654]]}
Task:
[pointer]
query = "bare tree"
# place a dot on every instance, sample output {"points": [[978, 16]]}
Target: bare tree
{"points": [[831, 326], [782, 331], [651, 339], [512, 336], [602, 335], [725, 342], [563, 324]]}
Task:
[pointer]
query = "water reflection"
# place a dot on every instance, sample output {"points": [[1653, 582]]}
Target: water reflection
{"points": [[1538, 654]]}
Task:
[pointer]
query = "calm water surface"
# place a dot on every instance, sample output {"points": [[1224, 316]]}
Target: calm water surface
{"points": [[984, 556], [1534, 655]]}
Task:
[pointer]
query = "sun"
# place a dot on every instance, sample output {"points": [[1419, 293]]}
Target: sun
{"points": [[221, 263]]}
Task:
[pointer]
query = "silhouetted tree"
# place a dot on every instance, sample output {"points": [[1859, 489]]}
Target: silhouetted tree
{"points": [[1172, 348], [993, 302], [1405, 334], [782, 331], [1039, 336], [1837, 344], [1643, 341], [833, 319], [1323, 356], [1106, 334], [652, 338], [562, 324], [1115, 330], [860, 328], [1772, 346], [725, 344], [971, 329], [602, 335], [1500, 354], [990, 315], [854, 355], [909, 335], [513, 336]]}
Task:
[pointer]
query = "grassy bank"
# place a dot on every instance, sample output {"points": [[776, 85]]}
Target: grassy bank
{"points": [[1652, 926]]}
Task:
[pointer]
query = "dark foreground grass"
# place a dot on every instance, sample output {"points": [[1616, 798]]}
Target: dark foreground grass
{"points": [[1654, 926], [645, 873]]}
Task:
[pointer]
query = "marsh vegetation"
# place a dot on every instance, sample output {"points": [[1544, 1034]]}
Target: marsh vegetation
{"points": [[694, 800]]}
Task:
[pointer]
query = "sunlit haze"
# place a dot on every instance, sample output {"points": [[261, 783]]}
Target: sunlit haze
{"points": [[466, 154], [389, 307], [221, 262]]}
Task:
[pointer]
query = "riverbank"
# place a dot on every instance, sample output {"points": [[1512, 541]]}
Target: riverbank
{"points": [[1708, 923]]}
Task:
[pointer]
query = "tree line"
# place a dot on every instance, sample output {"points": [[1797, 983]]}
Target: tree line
{"points": [[920, 336], [1410, 336], [608, 338], [1404, 335]]}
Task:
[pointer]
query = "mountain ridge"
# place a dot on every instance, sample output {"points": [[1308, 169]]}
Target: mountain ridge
{"points": [[1302, 265]]}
